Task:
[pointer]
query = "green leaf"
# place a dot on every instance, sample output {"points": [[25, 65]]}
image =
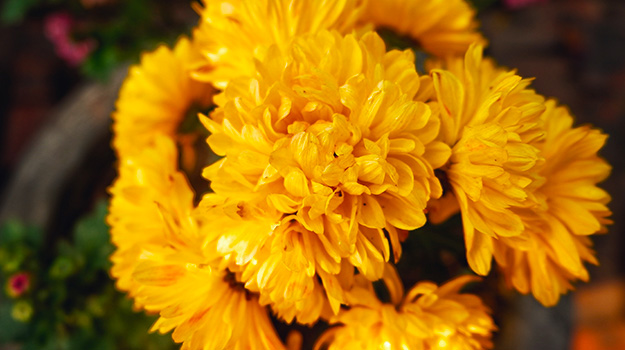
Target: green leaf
{"points": [[16, 232], [91, 238], [14, 11], [62, 267], [100, 63], [15, 259], [34, 236], [12, 231], [11, 329]]}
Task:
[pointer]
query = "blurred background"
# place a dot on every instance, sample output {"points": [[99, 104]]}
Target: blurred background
{"points": [[61, 64]]}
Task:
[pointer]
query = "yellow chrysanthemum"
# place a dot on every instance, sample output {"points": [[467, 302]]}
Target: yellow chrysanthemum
{"points": [[492, 122], [326, 154], [329, 146], [156, 96], [150, 201], [232, 33], [572, 207], [430, 317], [274, 259], [205, 307], [441, 27], [160, 261]]}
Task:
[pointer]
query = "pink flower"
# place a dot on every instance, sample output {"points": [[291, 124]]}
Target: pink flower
{"points": [[18, 284], [74, 52], [58, 29], [57, 26]]}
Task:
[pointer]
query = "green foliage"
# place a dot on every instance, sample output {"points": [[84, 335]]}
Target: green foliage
{"points": [[91, 238], [14, 11], [71, 302], [10, 327], [101, 62]]}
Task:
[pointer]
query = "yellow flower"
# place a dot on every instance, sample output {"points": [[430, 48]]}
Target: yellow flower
{"points": [[22, 311], [150, 190], [441, 27], [492, 122], [429, 317], [572, 207], [161, 263], [272, 259], [156, 96], [206, 308], [151, 201], [327, 154], [232, 33]]}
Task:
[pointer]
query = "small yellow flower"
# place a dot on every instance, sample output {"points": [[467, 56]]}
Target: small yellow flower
{"points": [[441, 27], [22, 311], [491, 120], [429, 317], [232, 33], [327, 153], [156, 96], [571, 208]]}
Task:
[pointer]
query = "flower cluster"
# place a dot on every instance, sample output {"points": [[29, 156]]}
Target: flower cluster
{"points": [[333, 149]]}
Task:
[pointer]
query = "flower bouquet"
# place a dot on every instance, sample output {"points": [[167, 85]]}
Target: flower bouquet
{"points": [[274, 166]]}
